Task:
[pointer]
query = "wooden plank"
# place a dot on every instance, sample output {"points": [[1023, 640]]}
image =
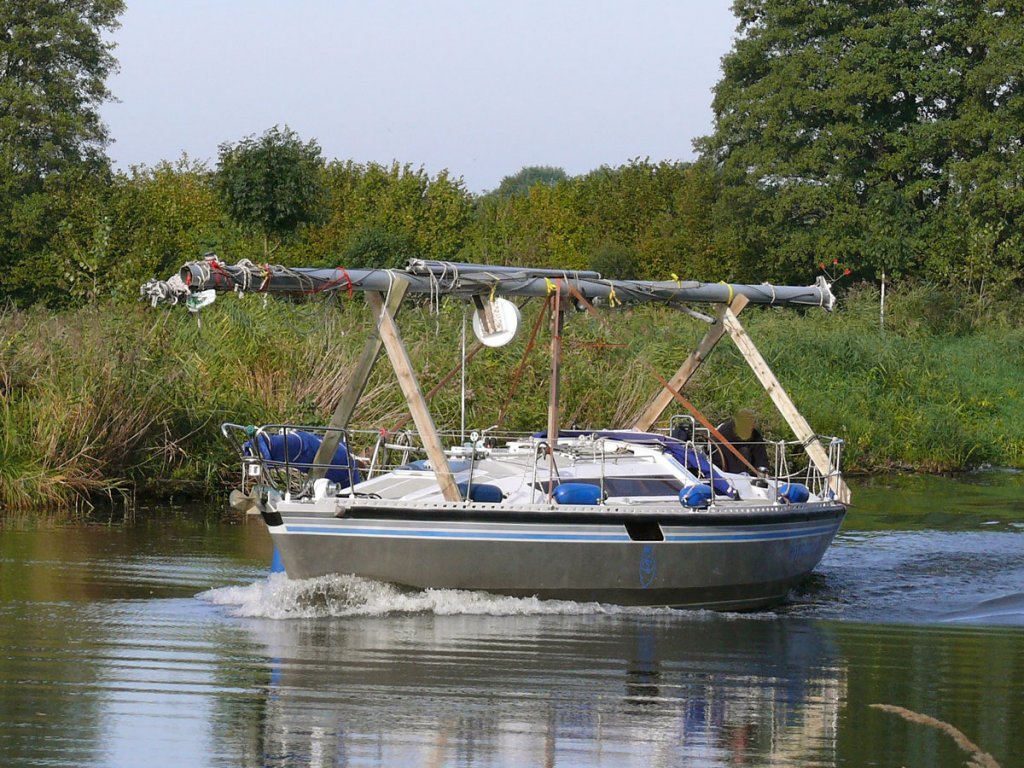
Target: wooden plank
{"points": [[357, 383], [665, 395], [399, 357], [554, 384], [782, 401]]}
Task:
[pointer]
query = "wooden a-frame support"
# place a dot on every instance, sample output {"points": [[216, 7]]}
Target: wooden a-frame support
{"points": [[357, 382], [664, 397], [386, 334], [727, 322], [784, 404]]}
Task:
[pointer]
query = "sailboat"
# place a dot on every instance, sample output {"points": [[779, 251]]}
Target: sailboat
{"points": [[633, 514]]}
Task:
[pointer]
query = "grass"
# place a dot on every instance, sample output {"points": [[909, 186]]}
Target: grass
{"points": [[113, 398]]}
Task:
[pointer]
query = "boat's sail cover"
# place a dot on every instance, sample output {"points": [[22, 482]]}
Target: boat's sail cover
{"points": [[433, 278]]}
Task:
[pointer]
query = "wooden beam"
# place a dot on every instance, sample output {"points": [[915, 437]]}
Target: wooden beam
{"points": [[782, 401], [356, 384], [665, 395], [470, 354], [554, 385], [399, 357]]}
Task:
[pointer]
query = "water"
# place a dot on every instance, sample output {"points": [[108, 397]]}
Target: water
{"points": [[164, 641]]}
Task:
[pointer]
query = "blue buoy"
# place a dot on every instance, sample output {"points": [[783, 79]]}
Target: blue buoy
{"points": [[577, 493], [483, 493], [276, 566], [794, 493], [696, 496]]}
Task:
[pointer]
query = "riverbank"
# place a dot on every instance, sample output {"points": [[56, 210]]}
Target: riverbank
{"points": [[117, 399]]}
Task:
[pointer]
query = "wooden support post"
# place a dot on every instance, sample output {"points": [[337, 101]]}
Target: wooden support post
{"points": [[782, 401], [356, 384], [400, 361], [664, 396], [554, 385]]}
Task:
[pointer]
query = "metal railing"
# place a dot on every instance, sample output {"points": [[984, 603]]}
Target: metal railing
{"points": [[788, 459], [287, 472], [371, 453]]}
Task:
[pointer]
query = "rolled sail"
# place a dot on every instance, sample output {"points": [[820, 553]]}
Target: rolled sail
{"points": [[467, 280]]}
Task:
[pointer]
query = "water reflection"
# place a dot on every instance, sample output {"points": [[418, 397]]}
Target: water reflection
{"points": [[532, 690]]}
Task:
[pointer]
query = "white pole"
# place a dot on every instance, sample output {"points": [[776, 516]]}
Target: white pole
{"points": [[881, 310]]}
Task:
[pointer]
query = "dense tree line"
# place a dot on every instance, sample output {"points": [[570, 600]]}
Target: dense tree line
{"points": [[886, 135]]}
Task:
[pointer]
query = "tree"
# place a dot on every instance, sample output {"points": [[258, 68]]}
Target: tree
{"points": [[862, 130], [370, 206], [54, 63], [273, 183], [378, 248], [520, 183], [643, 219], [615, 261]]}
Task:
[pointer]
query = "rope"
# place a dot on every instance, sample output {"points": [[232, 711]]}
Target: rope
{"points": [[613, 300], [169, 291], [732, 292], [391, 285]]}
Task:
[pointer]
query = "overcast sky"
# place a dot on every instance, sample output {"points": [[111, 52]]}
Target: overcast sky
{"points": [[481, 88]]}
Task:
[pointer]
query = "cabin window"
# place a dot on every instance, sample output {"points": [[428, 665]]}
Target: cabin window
{"points": [[659, 485]]}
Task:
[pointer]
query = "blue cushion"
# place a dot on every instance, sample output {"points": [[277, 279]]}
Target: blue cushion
{"points": [[577, 493], [482, 492], [794, 493], [696, 496], [301, 449]]}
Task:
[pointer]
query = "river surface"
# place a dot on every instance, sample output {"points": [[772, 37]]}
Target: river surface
{"points": [[164, 641]]}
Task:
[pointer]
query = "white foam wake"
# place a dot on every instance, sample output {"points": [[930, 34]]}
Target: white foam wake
{"points": [[278, 597]]}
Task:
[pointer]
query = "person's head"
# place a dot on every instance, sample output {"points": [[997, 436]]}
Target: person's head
{"points": [[745, 422]]}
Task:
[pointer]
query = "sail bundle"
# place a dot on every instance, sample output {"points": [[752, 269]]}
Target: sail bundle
{"points": [[445, 278]]}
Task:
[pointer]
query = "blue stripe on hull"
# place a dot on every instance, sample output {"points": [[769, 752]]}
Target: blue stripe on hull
{"points": [[418, 534], [763, 536], [688, 538]]}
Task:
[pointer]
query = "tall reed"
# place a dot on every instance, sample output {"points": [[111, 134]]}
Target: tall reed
{"points": [[114, 397]]}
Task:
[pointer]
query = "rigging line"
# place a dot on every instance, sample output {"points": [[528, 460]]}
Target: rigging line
{"points": [[677, 395], [387, 296]]}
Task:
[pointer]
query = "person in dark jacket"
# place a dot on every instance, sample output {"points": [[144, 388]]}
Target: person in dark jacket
{"points": [[741, 431]]}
